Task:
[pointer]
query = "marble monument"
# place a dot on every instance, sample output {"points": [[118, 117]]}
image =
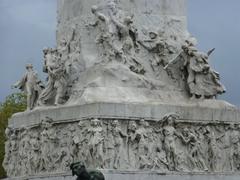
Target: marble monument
{"points": [[127, 93]]}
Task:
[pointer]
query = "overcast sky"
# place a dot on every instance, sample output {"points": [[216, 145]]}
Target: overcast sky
{"points": [[27, 26]]}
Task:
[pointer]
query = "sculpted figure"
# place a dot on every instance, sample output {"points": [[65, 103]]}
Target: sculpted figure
{"points": [[169, 145], [64, 157], [24, 152], [159, 161], [7, 156], [236, 141], [14, 166], [158, 47], [34, 153], [115, 12], [63, 49], [81, 140], [194, 154], [75, 66], [82, 173], [214, 152], [230, 141], [109, 144], [57, 83], [118, 136], [104, 38], [50, 57], [59, 72], [101, 22], [132, 144], [31, 86], [151, 151], [158, 156], [74, 40], [48, 140], [142, 142], [46, 55], [96, 142], [117, 37], [73, 140], [127, 35], [202, 81]]}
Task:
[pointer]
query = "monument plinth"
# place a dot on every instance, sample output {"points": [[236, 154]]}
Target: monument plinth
{"points": [[127, 93]]}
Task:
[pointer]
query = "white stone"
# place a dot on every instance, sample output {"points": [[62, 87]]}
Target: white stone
{"points": [[127, 90]]}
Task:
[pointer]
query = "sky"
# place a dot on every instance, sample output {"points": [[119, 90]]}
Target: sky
{"points": [[27, 26]]}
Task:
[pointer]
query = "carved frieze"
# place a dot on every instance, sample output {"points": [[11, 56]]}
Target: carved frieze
{"points": [[164, 145]]}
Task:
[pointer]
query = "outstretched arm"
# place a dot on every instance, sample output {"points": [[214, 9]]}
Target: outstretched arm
{"points": [[20, 84]]}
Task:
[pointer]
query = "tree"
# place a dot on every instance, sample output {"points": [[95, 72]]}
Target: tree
{"points": [[14, 103]]}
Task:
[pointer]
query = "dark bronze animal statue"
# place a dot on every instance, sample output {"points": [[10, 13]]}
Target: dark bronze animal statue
{"points": [[82, 173]]}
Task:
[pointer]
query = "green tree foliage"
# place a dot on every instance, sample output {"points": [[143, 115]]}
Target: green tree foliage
{"points": [[14, 103]]}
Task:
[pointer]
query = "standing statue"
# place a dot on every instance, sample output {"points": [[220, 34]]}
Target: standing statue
{"points": [[104, 38], [82, 173], [169, 142], [229, 141], [96, 140], [72, 142], [31, 86], [202, 81], [58, 72], [143, 148], [158, 155], [34, 153], [118, 136], [57, 84], [214, 152], [132, 144]]}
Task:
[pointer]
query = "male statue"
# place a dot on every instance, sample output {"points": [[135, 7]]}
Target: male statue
{"points": [[30, 85]]}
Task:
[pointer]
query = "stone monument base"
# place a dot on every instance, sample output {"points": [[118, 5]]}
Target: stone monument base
{"points": [[112, 136], [141, 175], [206, 111]]}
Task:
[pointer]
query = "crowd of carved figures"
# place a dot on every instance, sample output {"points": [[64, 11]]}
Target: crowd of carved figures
{"points": [[62, 67], [117, 39], [164, 145]]}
